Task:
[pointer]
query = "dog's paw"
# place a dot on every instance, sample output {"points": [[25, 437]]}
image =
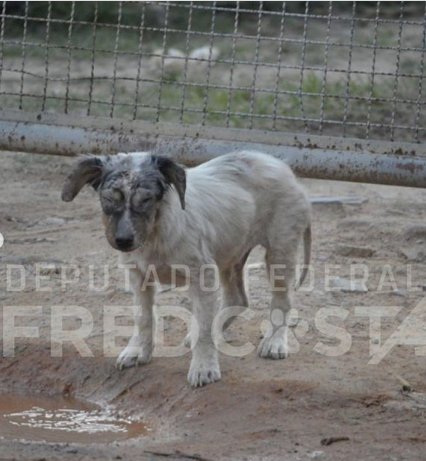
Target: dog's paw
{"points": [[203, 373], [274, 347], [132, 356]]}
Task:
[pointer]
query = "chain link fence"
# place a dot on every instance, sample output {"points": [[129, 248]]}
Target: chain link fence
{"points": [[341, 69]]}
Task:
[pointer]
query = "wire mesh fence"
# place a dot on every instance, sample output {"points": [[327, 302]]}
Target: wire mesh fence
{"points": [[346, 69]]}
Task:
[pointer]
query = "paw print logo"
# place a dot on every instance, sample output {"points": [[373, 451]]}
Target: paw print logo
{"points": [[296, 327]]}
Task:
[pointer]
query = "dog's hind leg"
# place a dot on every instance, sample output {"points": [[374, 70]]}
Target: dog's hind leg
{"points": [[282, 239], [234, 294], [281, 268]]}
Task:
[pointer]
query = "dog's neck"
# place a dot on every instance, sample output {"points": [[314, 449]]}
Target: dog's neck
{"points": [[169, 226]]}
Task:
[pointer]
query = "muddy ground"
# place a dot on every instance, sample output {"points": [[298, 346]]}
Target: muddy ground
{"points": [[261, 409]]}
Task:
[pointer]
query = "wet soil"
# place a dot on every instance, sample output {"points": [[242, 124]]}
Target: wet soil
{"points": [[261, 409]]}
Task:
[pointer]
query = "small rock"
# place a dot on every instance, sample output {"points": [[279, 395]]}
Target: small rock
{"points": [[204, 52], [414, 253], [354, 251], [415, 232], [317, 454], [175, 53], [346, 285], [171, 61], [399, 292]]}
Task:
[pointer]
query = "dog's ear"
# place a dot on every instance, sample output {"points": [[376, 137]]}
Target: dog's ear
{"points": [[88, 170], [173, 174]]}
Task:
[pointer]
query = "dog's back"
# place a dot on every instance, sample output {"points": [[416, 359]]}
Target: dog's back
{"points": [[232, 197]]}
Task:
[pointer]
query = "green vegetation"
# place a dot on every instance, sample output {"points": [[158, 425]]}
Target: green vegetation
{"points": [[221, 95]]}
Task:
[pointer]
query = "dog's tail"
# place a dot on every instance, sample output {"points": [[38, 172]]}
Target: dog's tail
{"points": [[307, 244]]}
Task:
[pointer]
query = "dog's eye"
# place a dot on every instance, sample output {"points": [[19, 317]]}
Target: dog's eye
{"points": [[139, 201], [117, 195], [144, 201]]}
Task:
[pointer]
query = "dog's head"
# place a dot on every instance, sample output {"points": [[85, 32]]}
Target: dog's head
{"points": [[132, 188]]}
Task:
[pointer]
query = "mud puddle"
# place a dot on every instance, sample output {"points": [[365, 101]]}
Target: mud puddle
{"points": [[59, 419]]}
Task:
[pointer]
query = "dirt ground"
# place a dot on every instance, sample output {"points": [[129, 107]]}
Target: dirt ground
{"points": [[261, 409]]}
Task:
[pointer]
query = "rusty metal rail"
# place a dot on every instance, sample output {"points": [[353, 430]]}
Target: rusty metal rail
{"points": [[310, 156], [335, 88]]}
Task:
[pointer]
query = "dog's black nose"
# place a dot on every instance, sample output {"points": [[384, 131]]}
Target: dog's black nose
{"points": [[124, 243]]}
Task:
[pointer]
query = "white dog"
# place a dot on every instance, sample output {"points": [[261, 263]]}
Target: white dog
{"points": [[157, 213]]}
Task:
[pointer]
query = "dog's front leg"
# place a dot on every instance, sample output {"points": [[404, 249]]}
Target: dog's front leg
{"points": [[139, 348], [204, 368]]}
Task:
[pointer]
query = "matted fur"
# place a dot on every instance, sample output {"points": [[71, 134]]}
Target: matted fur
{"points": [[228, 206]]}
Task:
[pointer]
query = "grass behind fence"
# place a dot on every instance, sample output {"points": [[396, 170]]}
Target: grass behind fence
{"points": [[193, 93]]}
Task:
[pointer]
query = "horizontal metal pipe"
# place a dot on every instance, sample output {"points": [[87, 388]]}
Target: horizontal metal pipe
{"points": [[312, 162]]}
